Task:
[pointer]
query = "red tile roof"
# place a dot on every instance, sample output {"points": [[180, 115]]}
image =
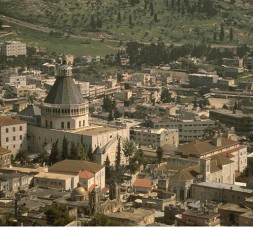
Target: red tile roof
{"points": [[143, 183], [86, 175], [5, 121]]}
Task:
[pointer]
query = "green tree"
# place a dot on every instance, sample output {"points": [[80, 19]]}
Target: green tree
{"points": [[65, 152], [73, 152], [231, 34], [54, 156], [165, 96], [57, 215], [22, 157], [159, 154], [118, 155], [213, 130], [93, 23], [110, 116], [81, 153], [130, 20], [129, 148], [222, 32], [108, 170], [155, 17], [119, 16]]}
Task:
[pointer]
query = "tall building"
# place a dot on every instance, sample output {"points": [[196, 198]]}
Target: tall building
{"points": [[13, 134], [13, 48]]}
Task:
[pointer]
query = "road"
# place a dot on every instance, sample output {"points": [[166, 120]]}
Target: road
{"points": [[42, 28], [47, 30]]}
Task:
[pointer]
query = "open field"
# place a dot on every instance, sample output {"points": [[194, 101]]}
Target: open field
{"points": [[73, 46]]}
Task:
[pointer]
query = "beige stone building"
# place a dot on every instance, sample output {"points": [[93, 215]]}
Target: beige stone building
{"points": [[13, 134], [64, 113], [135, 217], [13, 48], [220, 192], [5, 157], [197, 218], [155, 137], [78, 167], [56, 180]]}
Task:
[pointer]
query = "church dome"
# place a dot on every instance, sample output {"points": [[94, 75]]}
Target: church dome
{"points": [[64, 90], [79, 191]]}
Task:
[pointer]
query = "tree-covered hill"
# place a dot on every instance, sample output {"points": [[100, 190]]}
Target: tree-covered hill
{"points": [[218, 21]]}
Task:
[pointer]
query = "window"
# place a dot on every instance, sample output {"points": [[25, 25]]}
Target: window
{"points": [[20, 128], [20, 137], [14, 129], [14, 138], [7, 130], [68, 124], [46, 124], [62, 125], [80, 124]]}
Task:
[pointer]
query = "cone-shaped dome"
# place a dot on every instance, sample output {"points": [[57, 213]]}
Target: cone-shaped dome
{"points": [[64, 90]]}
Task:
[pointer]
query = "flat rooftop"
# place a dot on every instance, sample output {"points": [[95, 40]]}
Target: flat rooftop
{"points": [[234, 207], [133, 215], [96, 129], [54, 176], [225, 186]]}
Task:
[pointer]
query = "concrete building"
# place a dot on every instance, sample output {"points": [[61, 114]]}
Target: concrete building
{"points": [[76, 167], [13, 49], [138, 216], [14, 181], [230, 213], [200, 80], [154, 137], [197, 218], [56, 181], [171, 211], [188, 130], [142, 185], [217, 146], [123, 95], [220, 192], [13, 134], [5, 157], [246, 219], [241, 122]]}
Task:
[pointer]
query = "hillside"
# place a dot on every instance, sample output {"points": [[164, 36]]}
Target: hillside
{"points": [[144, 20]]}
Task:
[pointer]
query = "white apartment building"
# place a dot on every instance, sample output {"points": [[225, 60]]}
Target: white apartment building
{"points": [[13, 48], [188, 129], [56, 180], [13, 134], [155, 137]]}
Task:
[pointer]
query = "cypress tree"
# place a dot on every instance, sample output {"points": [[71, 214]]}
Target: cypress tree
{"points": [[118, 156], [221, 32], [54, 153], [65, 151]]}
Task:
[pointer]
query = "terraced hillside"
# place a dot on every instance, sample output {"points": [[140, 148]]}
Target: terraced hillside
{"points": [[144, 20]]}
